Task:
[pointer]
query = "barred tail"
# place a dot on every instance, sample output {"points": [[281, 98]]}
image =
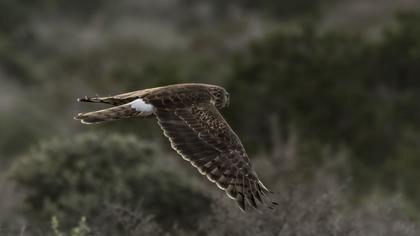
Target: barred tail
{"points": [[112, 100], [136, 108]]}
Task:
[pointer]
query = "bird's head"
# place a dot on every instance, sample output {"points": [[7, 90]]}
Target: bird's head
{"points": [[220, 97]]}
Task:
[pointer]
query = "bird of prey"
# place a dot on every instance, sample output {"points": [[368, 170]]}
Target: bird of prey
{"points": [[189, 117]]}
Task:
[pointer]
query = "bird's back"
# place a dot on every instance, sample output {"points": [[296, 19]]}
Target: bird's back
{"points": [[179, 95]]}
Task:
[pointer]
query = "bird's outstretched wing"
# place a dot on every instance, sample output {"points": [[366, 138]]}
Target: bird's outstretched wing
{"points": [[200, 134], [117, 100]]}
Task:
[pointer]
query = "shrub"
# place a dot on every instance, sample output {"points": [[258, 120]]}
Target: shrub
{"points": [[311, 208], [82, 175], [338, 90]]}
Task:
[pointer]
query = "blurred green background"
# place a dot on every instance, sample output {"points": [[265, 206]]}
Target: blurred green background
{"points": [[325, 95]]}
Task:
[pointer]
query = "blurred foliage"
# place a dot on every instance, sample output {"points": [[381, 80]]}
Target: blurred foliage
{"points": [[282, 9], [335, 89], [74, 177], [129, 65], [82, 229], [18, 13], [18, 40], [303, 79]]}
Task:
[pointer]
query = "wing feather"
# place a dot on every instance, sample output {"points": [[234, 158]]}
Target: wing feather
{"points": [[196, 130], [201, 136]]}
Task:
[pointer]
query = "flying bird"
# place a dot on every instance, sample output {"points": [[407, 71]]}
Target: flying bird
{"points": [[189, 117]]}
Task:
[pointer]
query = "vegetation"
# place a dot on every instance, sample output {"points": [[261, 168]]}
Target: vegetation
{"points": [[330, 118], [86, 174], [340, 90]]}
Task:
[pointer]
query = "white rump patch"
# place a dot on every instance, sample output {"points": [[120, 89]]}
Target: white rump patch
{"points": [[141, 106]]}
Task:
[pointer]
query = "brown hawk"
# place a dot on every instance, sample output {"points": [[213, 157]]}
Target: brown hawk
{"points": [[189, 116]]}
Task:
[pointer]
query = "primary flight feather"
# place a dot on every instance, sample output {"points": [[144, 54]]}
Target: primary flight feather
{"points": [[189, 116]]}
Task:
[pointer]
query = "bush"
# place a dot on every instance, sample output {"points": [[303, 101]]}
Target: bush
{"points": [[82, 175], [335, 89], [313, 209], [315, 206], [318, 206]]}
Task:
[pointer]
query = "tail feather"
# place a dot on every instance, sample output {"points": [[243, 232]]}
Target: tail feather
{"points": [[115, 101], [110, 114]]}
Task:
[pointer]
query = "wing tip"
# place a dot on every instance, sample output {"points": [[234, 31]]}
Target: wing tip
{"points": [[84, 99], [254, 201], [80, 118], [86, 122], [87, 99]]}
